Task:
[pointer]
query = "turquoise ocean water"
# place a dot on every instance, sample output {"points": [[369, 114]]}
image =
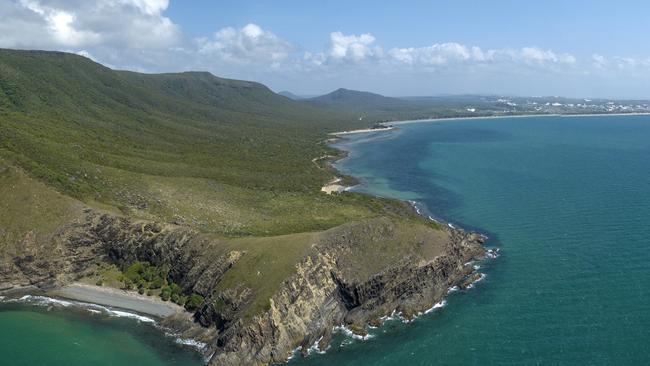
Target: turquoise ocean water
{"points": [[566, 199], [33, 335]]}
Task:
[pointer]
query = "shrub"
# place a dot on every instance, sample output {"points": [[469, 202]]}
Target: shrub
{"points": [[194, 301], [175, 289], [182, 300], [165, 295], [157, 282]]}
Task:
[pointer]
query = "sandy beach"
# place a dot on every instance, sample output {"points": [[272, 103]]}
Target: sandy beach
{"points": [[117, 298], [362, 131], [449, 119]]}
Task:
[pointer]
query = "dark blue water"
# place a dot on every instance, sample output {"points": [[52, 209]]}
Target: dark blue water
{"points": [[568, 202]]}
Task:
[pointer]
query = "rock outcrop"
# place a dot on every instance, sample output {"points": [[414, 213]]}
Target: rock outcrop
{"points": [[321, 296], [330, 286]]}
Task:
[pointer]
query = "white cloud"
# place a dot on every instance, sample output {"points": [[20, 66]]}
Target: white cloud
{"points": [[361, 49], [250, 44], [136, 35], [352, 48], [151, 7], [455, 53], [617, 63], [436, 54], [537, 55], [120, 24]]}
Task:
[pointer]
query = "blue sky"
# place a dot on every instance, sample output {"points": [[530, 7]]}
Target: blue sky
{"points": [[571, 26], [568, 48]]}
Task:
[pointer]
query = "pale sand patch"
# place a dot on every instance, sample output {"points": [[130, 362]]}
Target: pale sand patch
{"points": [[333, 186], [365, 130], [117, 298]]}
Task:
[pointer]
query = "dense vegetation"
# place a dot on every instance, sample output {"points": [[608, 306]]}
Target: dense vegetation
{"points": [[231, 159], [152, 280], [222, 155]]}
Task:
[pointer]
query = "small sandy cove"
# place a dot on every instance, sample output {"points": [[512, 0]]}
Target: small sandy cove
{"points": [[117, 298]]}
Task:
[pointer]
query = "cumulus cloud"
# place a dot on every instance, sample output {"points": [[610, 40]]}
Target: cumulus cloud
{"points": [[137, 35], [250, 44], [128, 34], [354, 48], [357, 49], [437, 54], [61, 24], [53, 24]]}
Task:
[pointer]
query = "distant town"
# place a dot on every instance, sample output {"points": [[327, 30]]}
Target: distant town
{"points": [[552, 105]]}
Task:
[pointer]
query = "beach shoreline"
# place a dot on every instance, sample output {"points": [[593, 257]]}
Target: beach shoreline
{"points": [[443, 119], [363, 130], [116, 298], [333, 186], [390, 125]]}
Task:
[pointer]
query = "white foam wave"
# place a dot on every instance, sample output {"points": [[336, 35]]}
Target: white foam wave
{"points": [[481, 278], [92, 308], [350, 334], [453, 289], [124, 314], [492, 253], [192, 343], [293, 354], [314, 348], [41, 301], [392, 316], [435, 306]]}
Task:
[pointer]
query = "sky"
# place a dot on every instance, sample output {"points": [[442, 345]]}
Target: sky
{"points": [[567, 48]]}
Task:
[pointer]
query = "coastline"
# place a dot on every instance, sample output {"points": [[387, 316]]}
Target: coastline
{"points": [[364, 130], [390, 125], [116, 298], [512, 116], [333, 186], [336, 184]]}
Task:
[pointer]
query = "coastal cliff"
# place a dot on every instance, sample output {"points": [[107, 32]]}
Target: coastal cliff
{"points": [[334, 283], [203, 191]]}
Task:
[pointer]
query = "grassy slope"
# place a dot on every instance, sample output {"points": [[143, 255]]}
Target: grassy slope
{"points": [[229, 158], [31, 212], [223, 155]]}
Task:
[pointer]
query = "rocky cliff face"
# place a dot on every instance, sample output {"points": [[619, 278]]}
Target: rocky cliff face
{"points": [[330, 285], [322, 294]]}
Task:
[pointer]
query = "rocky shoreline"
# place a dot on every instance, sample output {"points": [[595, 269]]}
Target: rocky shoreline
{"points": [[334, 285], [353, 276], [326, 290]]}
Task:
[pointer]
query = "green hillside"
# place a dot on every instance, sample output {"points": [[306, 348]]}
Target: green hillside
{"points": [[224, 156]]}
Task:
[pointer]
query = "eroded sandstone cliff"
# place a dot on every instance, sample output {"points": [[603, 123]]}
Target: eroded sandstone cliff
{"points": [[350, 275]]}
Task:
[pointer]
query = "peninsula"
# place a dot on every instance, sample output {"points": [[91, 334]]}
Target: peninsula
{"points": [[200, 201]]}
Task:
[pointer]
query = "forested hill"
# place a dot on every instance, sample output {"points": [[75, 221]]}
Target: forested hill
{"points": [[61, 111], [165, 146]]}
